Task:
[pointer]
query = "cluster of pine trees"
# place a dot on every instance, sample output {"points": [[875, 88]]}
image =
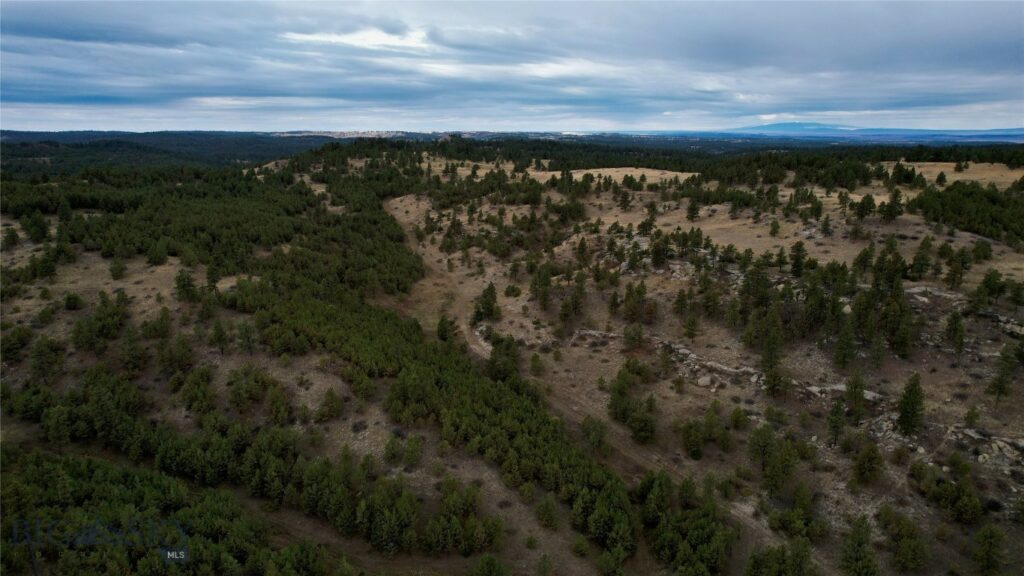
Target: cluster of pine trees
{"points": [[74, 515]]}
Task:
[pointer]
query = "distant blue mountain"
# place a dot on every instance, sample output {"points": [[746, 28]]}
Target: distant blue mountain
{"points": [[814, 130], [793, 128]]}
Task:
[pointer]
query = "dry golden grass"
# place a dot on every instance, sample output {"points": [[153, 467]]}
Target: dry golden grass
{"points": [[997, 174], [652, 175]]}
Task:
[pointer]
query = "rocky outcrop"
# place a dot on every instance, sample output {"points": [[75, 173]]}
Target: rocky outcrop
{"points": [[690, 360]]}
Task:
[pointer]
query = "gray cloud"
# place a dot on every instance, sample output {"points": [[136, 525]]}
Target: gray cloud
{"points": [[531, 66]]}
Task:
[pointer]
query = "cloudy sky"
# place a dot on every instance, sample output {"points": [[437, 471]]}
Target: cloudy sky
{"points": [[509, 66]]}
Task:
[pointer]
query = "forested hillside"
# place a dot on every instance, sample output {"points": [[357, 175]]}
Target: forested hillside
{"points": [[192, 333], [38, 155]]}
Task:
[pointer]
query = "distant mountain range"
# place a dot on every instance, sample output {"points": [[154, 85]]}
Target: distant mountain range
{"points": [[814, 130], [68, 151], [794, 128]]}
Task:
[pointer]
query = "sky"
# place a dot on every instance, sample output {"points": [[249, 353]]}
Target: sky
{"points": [[509, 66]]}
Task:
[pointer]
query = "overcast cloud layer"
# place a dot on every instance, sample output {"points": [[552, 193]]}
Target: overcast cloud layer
{"points": [[509, 66]]}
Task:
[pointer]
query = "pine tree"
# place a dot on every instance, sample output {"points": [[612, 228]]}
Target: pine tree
{"points": [[331, 406], [614, 303], [118, 269], [219, 336], [691, 326], [955, 274], [185, 287], [594, 432], [10, 239], [547, 512], [857, 556], [489, 566], [774, 383], [633, 334], [540, 286], [845, 351], [797, 258], [247, 337], [855, 397], [868, 464], [760, 444], [771, 339], [781, 259], [865, 207], [681, 304], [826, 226], [692, 210], [487, 305], [893, 208], [911, 406], [1008, 362], [989, 554], [446, 328], [536, 365], [836, 421], [793, 559]]}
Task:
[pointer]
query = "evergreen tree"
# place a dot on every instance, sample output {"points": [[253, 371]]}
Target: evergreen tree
{"points": [[681, 303], [855, 401], [594, 432], [906, 540], [488, 565], [836, 421], [330, 407], [826, 226], [911, 406], [989, 554], [446, 328], [117, 269], [487, 305], [797, 258], [614, 303], [760, 444], [865, 207], [793, 559], [845, 351], [540, 286], [999, 386], [868, 463], [771, 338], [857, 557], [10, 239], [547, 512], [893, 208], [185, 286], [955, 274], [691, 326], [692, 209], [246, 337], [219, 336]]}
